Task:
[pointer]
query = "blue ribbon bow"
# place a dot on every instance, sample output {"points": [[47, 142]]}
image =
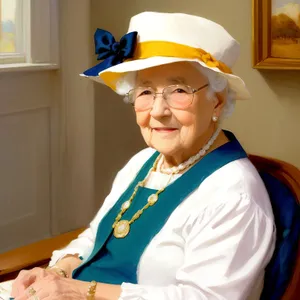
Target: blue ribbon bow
{"points": [[111, 52]]}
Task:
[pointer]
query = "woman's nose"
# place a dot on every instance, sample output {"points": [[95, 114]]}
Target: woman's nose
{"points": [[160, 107]]}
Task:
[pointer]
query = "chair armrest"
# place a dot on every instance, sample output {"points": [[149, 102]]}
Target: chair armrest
{"points": [[34, 255]]}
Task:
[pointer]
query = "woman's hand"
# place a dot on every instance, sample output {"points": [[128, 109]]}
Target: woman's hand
{"points": [[49, 285], [26, 278], [54, 287]]}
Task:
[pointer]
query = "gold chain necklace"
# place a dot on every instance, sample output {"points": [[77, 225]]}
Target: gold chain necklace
{"points": [[122, 228]]}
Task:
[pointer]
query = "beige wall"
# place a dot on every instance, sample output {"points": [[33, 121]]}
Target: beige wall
{"points": [[25, 101], [268, 124], [73, 206], [47, 140]]}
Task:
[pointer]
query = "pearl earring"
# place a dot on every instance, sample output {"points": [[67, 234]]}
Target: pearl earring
{"points": [[215, 118]]}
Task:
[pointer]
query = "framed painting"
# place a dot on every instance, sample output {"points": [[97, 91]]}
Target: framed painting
{"points": [[276, 34]]}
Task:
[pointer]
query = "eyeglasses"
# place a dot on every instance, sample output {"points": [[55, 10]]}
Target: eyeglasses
{"points": [[178, 96]]}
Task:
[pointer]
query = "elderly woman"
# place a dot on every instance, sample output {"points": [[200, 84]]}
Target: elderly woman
{"points": [[188, 217]]}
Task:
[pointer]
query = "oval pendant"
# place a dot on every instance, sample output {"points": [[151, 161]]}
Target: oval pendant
{"points": [[152, 199], [121, 229]]}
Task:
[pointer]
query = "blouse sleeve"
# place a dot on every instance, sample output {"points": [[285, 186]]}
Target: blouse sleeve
{"points": [[226, 250], [84, 244]]}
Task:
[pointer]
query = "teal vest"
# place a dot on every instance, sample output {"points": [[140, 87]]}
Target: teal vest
{"points": [[115, 260]]}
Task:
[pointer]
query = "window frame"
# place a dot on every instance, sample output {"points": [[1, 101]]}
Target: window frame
{"points": [[39, 22]]}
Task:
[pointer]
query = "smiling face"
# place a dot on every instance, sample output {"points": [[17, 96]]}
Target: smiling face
{"points": [[177, 133]]}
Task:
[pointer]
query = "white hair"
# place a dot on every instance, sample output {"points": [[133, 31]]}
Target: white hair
{"points": [[217, 84], [126, 83]]}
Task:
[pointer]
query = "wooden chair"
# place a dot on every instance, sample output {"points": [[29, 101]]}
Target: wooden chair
{"points": [[33, 255], [38, 254]]}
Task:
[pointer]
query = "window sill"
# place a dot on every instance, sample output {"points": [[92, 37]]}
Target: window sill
{"points": [[27, 67]]}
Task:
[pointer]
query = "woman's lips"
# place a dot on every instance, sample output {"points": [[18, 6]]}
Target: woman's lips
{"points": [[164, 129]]}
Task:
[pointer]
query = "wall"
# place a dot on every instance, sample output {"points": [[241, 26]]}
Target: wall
{"points": [[24, 156], [73, 206], [268, 124], [47, 140]]}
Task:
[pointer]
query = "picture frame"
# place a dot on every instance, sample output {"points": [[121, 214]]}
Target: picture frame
{"points": [[275, 47]]}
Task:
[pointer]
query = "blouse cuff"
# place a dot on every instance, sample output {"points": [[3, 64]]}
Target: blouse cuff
{"points": [[60, 254], [131, 291]]}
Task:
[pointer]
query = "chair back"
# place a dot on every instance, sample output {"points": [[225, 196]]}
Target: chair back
{"points": [[282, 180]]}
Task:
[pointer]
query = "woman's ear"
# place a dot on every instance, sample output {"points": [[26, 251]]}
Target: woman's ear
{"points": [[220, 102]]}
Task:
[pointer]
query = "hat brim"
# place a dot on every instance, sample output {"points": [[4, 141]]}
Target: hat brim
{"points": [[118, 71]]}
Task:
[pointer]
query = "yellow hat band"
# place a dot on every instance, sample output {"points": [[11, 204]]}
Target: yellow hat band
{"points": [[166, 49], [170, 49]]}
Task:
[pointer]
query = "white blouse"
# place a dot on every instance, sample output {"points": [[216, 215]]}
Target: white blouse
{"points": [[215, 244]]}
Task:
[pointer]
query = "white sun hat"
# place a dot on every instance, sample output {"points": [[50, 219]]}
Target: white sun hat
{"points": [[155, 39]]}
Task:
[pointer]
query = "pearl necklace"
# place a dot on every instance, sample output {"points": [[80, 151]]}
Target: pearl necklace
{"points": [[191, 160]]}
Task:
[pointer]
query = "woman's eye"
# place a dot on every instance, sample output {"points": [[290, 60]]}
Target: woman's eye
{"points": [[179, 91], [144, 93]]}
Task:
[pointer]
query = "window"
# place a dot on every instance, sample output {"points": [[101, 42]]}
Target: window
{"points": [[28, 32], [11, 31]]}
